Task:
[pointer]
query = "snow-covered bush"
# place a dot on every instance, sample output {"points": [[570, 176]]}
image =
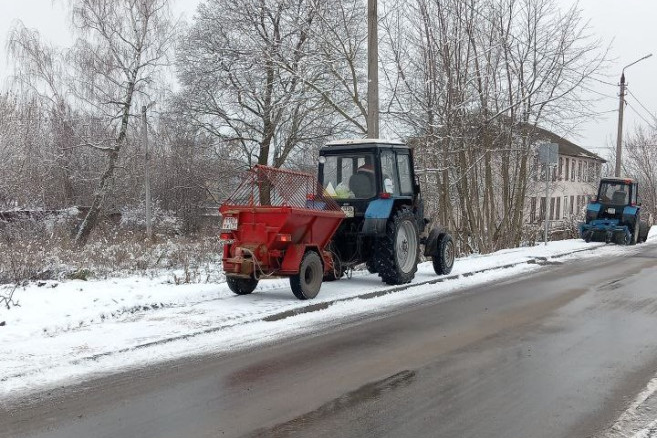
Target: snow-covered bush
{"points": [[133, 218]]}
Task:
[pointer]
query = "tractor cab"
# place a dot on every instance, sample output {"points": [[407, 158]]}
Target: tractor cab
{"points": [[357, 172], [617, 192], [615, 214]]}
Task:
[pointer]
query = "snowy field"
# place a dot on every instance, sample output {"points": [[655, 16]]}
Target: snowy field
{"points": [[66, 332]]}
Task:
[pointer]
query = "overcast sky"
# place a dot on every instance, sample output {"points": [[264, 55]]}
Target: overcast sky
{"points": [[628, 25]]}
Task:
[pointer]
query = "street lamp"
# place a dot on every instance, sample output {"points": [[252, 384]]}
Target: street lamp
{"points": [[621, 107]]}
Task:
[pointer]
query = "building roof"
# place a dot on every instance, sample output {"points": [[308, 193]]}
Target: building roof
{"points": [[566, 147]]}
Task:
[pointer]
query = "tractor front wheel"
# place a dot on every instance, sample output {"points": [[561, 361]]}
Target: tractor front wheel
{"points": [[443, 260], [241, 286], [305, 285], [398, 251]]}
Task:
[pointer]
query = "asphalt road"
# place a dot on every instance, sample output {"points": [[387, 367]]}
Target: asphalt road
{"points": [[561, 353]]}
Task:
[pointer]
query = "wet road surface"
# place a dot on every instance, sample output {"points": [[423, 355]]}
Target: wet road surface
{"points": [[561, 353]]}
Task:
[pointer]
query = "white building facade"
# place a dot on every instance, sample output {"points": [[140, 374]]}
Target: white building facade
{"points": [[573, 182]]}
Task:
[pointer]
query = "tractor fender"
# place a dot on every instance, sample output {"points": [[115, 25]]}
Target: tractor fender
{"points": [[376, 216], [592, 211], [431, 247], [630, 214]]}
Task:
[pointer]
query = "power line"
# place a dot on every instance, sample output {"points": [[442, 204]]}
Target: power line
{"points": [[642, 105], [639, 114]]}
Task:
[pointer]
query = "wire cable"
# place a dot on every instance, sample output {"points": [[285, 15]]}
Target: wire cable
{"points": [[642, 105]]}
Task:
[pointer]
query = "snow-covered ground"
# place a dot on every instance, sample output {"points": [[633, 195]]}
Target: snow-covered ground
{"points": [[65, 332]]}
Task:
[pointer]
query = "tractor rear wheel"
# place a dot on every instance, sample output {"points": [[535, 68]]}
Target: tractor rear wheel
{"points": [[443, 260], [634, 239], [398, 250], [305, 285], [241, 286], [643, 231]]}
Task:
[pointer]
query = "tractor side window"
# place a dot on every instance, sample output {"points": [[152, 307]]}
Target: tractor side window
{"points": [[389, 171], [405, 181]]}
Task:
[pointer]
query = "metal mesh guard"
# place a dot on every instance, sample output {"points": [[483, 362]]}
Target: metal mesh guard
{"points": [[269, 186]]}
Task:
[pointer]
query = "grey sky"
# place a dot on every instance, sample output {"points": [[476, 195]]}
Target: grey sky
{"points": [[629, 25]]}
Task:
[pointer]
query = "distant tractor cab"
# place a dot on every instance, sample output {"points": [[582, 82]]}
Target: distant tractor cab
{"points": [[615, 214], [375, 184]]}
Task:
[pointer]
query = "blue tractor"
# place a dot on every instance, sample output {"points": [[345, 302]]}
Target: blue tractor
{"points": [[375, 184], [615, 214]]}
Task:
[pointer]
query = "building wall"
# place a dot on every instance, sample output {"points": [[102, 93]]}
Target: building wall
{"points": [[573, 182]]}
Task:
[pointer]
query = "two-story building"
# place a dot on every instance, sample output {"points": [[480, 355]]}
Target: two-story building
{"points": [[573, 181]]}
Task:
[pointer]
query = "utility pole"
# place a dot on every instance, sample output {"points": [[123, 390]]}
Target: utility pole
{"points": [[372, 70], [147, 174], [619, 136], [621, 108]]}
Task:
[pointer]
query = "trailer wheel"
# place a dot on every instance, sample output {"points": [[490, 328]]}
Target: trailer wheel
{"points": [[241, 286], [398, 250], [443, 260], [305, 285]]}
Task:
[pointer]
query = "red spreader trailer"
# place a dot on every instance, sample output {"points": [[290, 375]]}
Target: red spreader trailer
{"points": [[278, 223]]}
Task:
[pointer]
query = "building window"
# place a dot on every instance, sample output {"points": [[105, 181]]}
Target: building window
{"points": [[567, 169], [560, 168], [542, 209], [532, 210], [537, 169], [580, 175], [565, 207], [572, 170], [572, 205], [552, 204]]}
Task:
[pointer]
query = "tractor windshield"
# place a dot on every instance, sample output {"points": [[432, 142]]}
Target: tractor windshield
{"points": [[615, 193], [349, 176]]}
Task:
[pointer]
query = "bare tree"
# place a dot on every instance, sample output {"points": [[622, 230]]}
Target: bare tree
{"points": [[121, 47], [473, 81], [640, 161], [255, 75]]}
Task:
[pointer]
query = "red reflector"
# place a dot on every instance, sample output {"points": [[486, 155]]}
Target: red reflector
{"points": [[384, 195], [284, 238], [310, 197], [225, 236]]}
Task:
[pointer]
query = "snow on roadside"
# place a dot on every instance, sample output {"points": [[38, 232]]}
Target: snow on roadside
{"points": [[72, 330]]}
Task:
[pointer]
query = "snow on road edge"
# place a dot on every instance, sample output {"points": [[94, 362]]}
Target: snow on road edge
{"points": [[191, 320]]}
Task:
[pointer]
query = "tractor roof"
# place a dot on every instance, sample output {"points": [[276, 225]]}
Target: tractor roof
{"points": [[362, 144], [365, 142], [614, 179]]}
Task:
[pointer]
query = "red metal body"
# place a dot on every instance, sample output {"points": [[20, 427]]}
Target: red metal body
{"points": [[271, 239]]}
